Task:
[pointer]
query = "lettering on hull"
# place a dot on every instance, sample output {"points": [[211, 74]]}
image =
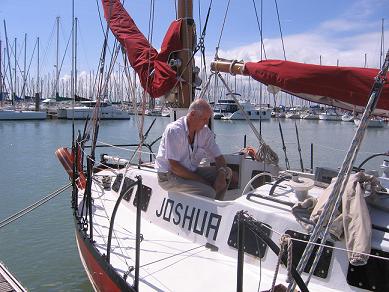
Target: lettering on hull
{"points": [[191, 218]]}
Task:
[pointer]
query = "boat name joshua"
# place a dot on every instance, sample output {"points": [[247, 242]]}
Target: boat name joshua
{"points": [[182, 217]]}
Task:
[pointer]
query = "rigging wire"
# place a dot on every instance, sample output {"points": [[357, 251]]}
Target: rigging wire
{"points": [[140, 121], [279, 25], [101, 21], [260, 29], [328, 214], [265, 153], [222, 29], [28, 69], [173, 255]]}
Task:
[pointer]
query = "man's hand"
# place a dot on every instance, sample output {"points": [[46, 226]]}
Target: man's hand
{"points": [[220, 185]]}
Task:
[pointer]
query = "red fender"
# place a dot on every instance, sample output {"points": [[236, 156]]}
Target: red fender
{"points": [[67, 159]]}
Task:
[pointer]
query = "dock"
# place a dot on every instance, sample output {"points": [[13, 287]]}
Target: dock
{"points": [[8, 283]]}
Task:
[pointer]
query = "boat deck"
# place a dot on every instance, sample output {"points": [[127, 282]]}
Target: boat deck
{"points": [[172, 259], [8, 282]]}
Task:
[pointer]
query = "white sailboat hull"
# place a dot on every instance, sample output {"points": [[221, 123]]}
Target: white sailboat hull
{"points": [[373, 123], [82, 113], [329, 117], [22, 115], [257, 114]]}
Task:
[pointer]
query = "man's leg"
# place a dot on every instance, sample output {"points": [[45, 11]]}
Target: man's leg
{"points": [[177, 184], [210, 173]]}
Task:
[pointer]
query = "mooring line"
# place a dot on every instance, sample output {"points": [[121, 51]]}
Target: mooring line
{"points": [[33, 206]]}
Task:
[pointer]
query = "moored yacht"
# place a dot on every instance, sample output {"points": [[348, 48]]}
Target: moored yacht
{"points": [[14, 114], [330, 115], [253, 112], [85, 110], [347, 117], [372, 123]]}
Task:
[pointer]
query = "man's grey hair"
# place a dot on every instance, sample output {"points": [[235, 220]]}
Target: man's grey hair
{"points": [[199, 106]]}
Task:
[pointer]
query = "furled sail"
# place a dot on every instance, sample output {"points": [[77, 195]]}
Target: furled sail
{"points": [[344, 87], [155, 75]]}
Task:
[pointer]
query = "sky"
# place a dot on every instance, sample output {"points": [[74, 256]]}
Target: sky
{"points": [[331, 31]]}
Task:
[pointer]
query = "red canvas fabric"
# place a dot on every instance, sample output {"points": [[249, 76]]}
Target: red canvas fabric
{"points": [[346, 84], [155, 75]]}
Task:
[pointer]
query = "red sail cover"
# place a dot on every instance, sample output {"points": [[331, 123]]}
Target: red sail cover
{"points": [[344, 87], [155, 75]]}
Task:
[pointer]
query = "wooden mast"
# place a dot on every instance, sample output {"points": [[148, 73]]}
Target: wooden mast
{"points": [[185, 89], [228, 66]]}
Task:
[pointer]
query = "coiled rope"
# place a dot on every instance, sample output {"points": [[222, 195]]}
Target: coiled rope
{"points": [[33, 206]]}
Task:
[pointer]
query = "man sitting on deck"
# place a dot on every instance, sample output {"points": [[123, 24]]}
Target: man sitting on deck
{"points": [[184, 144]]}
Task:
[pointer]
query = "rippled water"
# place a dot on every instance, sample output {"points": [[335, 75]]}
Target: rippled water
{"points": [[40, 247]]}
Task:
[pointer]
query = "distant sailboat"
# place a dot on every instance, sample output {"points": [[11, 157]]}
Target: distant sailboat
{"points": [[11, 113]]}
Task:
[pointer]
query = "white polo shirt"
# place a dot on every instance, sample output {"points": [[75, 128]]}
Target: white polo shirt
{"points": [[175, 145]]}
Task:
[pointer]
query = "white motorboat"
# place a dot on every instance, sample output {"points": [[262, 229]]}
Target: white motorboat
{"points": [[372, 123], [107, 111], [347, 117], [292, 115], [252, 112], [228, 109], [310, 116], [330, 115]]}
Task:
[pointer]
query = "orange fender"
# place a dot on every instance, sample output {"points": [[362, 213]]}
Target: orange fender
{"points": [[67, 160]]}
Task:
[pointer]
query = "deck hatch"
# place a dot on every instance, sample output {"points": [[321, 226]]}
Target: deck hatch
{"points": [[117, 182], [253, 245], [146, 194], [299, 247], [372, 276], [126, 188]]}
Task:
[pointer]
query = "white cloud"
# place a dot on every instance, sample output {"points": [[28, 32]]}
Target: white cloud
{"points": [[345, 40], [349, 51]]}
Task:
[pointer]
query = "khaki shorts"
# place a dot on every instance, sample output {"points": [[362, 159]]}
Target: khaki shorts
{"points": [[172, 183]]}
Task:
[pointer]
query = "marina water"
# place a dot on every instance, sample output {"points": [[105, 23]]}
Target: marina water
{"points": [[40, 247]]}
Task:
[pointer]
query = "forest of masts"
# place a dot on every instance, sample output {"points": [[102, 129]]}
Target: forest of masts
{"points": [[24, 72]]}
